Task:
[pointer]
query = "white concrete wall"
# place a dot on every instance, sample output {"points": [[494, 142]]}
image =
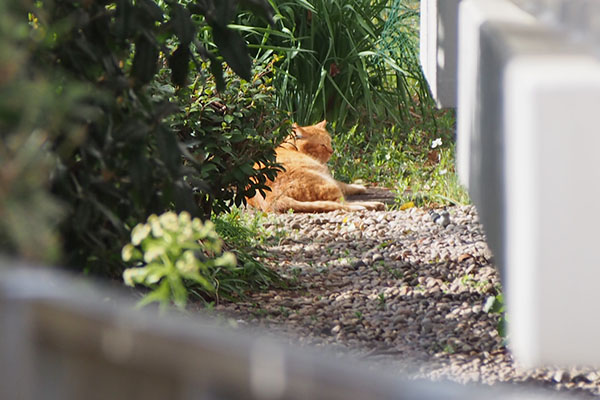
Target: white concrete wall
{"points": [[528, 105], [552, 104], [480, 148], [438, 48]]}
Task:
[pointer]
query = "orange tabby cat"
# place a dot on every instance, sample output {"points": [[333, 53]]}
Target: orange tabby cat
{"points": [[306, 184]]}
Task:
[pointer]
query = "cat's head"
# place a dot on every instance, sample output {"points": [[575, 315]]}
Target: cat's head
{"points": [[313, 140]]}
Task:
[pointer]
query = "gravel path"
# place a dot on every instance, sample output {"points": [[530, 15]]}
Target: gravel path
{"points": [[398, 290]]}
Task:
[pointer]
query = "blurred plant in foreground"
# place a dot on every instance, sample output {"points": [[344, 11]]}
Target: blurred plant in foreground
{"points": [[175, 251], [34, 128]]}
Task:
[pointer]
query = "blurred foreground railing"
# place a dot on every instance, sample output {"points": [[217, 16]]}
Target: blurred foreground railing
{"points": [[525, 78], [66, 339]]}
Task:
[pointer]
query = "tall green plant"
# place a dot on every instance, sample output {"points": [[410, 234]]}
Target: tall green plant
{"points": [[345, 61]]}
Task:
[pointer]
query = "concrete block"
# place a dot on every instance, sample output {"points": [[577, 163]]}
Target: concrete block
{"points": [[552, 184], [527, 137], [479, 148], [438, 48], [472, 14]]}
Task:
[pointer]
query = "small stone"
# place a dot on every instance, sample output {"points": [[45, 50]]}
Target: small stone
{"points": [[558, 376], [592, 376]]}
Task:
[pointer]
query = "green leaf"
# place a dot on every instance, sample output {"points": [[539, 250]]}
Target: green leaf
{"points": [[124, 19], [145, 61], [178, 290], [221, 12], [168, 149], [181, 24], [198, 278], [260, 7], [151, 12], [179, 64], [247, 169], [208, 168], [234, 50], [159, 295]]}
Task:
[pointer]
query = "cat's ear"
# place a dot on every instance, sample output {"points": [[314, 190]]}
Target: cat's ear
{"points": [[322, 124]]}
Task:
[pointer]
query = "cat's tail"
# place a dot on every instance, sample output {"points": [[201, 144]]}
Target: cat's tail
{"points": [[285, 203]]}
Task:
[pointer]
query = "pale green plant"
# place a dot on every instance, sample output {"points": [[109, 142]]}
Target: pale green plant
{"points": [[174, 251], [495, 305]]}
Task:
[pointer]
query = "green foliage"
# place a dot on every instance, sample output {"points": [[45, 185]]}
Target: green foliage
{"points": [[495, 305], [403, 160], [82, 119], [244, 235], [31, 122], [175, 250], [224, 133], [345, 61], [177, 256], [355, 63]]}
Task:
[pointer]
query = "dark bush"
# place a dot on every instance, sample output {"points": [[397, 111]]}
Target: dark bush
{"points": [[225, 132], [139, 152]]}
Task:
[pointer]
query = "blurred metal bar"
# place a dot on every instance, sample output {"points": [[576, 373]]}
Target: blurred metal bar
{"points": [[67, 339]]}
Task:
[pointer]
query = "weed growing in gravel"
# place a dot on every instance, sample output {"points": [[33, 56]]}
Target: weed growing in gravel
{"points": [[419, 289], [395, 273], [449, 349], [381, 299], [495, 305], [284, 311], [470, 281]]}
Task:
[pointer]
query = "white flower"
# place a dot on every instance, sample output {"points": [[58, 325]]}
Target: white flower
{"points": [[139, 233], [131, 276], [154, 251], [187, 263], [436, 143], [128, 277], [226, 260], [169, 221], [157, 230], [127, 252], [185, 218]]}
